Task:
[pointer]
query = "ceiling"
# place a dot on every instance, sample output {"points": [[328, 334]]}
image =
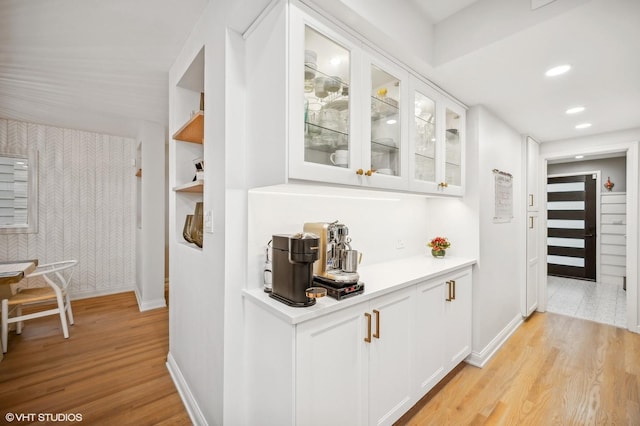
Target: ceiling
{"points": [[504, 70], [438, 10], [99, 65], [102, 65]]}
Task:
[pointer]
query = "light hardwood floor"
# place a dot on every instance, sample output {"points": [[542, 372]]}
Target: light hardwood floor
{"points": [[554, 370], [111, 370]]}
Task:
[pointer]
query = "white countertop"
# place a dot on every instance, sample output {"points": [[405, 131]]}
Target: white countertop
{"points": [[378, 279]]}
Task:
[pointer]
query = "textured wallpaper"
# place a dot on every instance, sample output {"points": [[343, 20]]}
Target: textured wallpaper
{"points": [[86, 208]]}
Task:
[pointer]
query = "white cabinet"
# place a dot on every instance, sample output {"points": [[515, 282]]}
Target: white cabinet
{"points": [[332, 369], [384, 160], [430, 332], [350, 125], [392, 345], [436, 141], [613, 238], [453, 146], [366, 363], [324, 107], [325, 130], [354, 366], [533, 264], [529, 298], [457, 318], [442, 327], [533, 174], [384, 354]]}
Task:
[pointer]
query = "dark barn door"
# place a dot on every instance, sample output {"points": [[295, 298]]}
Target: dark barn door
{"points": [[571, 224]]}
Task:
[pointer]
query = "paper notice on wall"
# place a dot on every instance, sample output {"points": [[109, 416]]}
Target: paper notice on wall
{"points": [[503, 196]]}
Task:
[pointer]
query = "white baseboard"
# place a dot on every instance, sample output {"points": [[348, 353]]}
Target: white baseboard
{"points": [[479, 359], [147, 305], [85, 294], [190, 404]]}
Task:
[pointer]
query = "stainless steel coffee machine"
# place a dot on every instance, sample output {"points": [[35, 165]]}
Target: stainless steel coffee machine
{"points": [[337, 264], [293, 258]]}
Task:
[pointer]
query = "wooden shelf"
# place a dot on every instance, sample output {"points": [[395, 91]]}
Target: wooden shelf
{"points": [[193, 130], [197, 186], [139, 173]]}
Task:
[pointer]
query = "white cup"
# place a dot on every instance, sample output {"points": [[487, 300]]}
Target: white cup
{"points": [[339, 158]]}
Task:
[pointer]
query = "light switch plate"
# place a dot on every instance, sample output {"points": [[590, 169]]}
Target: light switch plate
{"points": [[208, 221]]}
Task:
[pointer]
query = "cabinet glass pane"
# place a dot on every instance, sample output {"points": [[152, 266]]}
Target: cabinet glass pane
{"points": [[453, 154], [425, 138], [326, 92], [385, 122]]}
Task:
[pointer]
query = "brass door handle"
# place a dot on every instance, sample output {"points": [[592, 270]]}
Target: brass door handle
{"points": [[359, 172], [368, 338], [449, 289], [377, 333]]}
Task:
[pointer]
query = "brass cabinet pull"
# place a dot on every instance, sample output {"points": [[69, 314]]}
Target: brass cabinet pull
{"points": [[530, 222], [530, 200], [359, 172], [443, 184], [368, 338], [454, 289], [377, 333], [369, 172], [449, 288]]}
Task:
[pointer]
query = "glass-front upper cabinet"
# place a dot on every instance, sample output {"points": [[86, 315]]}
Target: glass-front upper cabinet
{"points": [[385, 122], [436, 141], [326, 101], [386, 156], [423, 134], [323, 61], [453, 148], [424, 155]]}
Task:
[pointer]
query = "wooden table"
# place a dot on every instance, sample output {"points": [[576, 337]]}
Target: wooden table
{"points": [[13, 272]]}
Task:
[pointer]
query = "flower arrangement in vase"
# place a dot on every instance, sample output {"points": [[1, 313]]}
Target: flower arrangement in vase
{"points": [[438, 246]]}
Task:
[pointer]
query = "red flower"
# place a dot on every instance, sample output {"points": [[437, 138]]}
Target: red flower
{"points": [[439, 243]]}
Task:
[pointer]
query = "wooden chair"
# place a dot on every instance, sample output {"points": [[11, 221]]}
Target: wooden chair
{"points": [[56, 291]]}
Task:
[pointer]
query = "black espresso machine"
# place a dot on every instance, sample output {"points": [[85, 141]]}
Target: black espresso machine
{"points": [[293, 258]]}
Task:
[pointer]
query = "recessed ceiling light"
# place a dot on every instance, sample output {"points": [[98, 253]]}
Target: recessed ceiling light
{"points": [[561, 69], [575, 110], [583, 125], [578, 157]]}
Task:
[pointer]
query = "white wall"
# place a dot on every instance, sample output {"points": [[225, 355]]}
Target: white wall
{"points": [[196, 288], [500, 273], [377, 221], [615, 168], [86, 202], [409, 34], [205, 331], [150, 239]]}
